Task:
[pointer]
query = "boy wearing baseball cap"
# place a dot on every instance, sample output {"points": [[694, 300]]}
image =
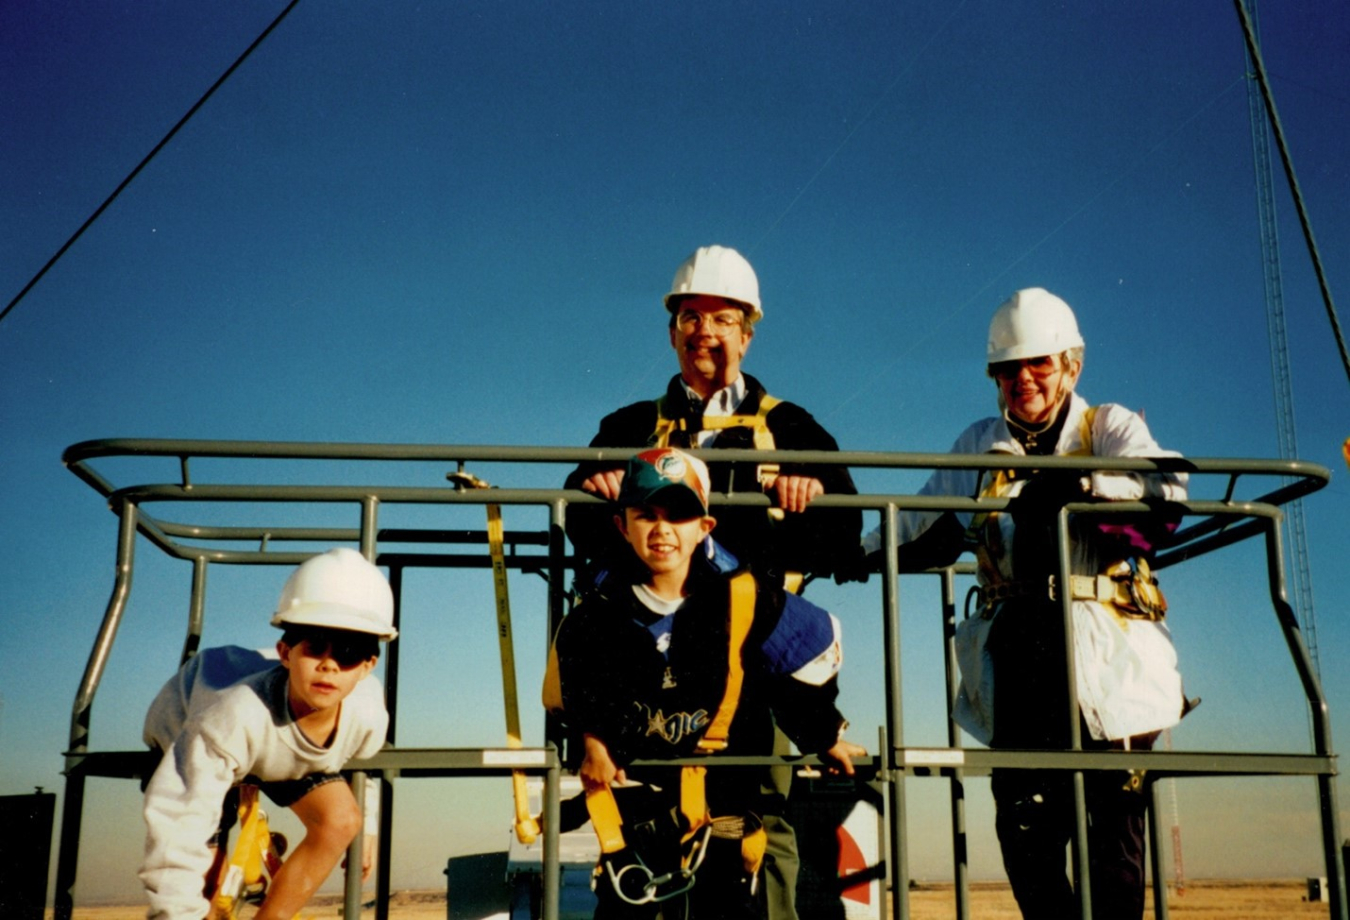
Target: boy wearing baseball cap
{"points": [[667, 656], [232, 715]]}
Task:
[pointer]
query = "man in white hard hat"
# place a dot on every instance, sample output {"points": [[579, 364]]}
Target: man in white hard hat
{"points": [[1013, 691], [714, 306], [288, 724]]}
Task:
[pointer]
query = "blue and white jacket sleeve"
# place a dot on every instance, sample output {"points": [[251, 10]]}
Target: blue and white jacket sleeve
{"points": [[802, 655]]}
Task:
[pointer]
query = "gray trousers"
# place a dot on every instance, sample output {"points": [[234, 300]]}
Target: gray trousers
{"points": [[781, 861]]}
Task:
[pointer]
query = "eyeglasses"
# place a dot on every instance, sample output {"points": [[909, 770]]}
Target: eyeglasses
{"points": [[1041, 367], [720, 323]]}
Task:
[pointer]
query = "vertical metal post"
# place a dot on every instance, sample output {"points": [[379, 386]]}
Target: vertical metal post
{"points": [[1321, 720], [351, 891], [551, 854], [72, 805], [1081, 863], [196, 610], [960, 851], [557, 595], [384, 857], [898, 864]]}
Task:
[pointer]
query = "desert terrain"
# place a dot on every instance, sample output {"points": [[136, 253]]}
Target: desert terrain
{"points": [[1202, 900]]}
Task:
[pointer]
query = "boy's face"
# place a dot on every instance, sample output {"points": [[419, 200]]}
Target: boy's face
{"points": [[665, 546], [323, 671]]}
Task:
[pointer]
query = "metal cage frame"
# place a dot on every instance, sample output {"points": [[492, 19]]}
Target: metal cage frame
{"points": [[1222, 522]]}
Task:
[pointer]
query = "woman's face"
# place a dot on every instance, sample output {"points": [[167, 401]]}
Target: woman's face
{"points": [[1033, 388]]}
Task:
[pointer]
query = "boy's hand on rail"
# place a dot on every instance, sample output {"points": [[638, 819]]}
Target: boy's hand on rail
{"points": [[597, 767]]}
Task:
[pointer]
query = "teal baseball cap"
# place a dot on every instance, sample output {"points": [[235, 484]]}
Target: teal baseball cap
{"points": [[668, 478]]}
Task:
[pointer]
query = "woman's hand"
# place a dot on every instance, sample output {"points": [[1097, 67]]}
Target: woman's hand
{"points": [[842, 754]]}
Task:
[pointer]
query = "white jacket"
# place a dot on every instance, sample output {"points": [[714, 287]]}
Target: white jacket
{"points": [[223, 717], [1127, 676]]}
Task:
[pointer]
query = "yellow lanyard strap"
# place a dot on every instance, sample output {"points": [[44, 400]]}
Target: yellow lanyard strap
{"points": [[527, 827], [245, 868]]}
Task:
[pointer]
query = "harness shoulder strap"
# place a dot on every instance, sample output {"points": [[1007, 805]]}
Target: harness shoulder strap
{"points": [[997, 481], [1085, 433], [741, 615], [664, 425], [758, 423]]}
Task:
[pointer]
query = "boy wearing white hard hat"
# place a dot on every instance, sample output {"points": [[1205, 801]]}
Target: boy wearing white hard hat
{"points": [[667, 655], [288, 724]]}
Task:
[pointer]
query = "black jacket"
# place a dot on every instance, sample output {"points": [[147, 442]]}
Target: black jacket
{"points": [[809, 542]]}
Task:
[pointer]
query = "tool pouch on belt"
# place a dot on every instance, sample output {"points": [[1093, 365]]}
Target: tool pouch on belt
{"points": [[1141, 597]]}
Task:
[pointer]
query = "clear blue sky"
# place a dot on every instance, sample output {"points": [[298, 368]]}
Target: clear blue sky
{"points": [[453, 223]]}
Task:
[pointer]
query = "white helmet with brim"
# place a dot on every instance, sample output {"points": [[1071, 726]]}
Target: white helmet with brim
{"points": [[1030, 324], [717, 271], [339, 589]]}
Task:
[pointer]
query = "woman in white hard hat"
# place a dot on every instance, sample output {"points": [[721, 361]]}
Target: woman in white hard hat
{"points": [[1013, 683]]}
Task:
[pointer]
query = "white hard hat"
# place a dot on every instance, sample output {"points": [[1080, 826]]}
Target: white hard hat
{"points": [[718, 271], [338, 589], [1032, 323]]}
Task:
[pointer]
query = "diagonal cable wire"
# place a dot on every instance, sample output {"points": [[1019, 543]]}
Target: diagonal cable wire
{"points": [[1254, 52], [142, 164]]}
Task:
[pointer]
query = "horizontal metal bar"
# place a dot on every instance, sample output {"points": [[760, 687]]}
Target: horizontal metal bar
{"points": [[412, 762], [294, 450], [975, 761]]}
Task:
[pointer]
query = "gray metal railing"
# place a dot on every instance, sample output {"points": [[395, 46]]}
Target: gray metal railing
{"points": [[179, 531]]}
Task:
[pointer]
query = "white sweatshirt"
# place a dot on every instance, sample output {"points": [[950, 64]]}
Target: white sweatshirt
{"points": [[1127, 676], [223, 717]]}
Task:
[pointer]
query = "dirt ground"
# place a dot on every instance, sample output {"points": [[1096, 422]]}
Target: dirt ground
{"points": [[1202, 900]]}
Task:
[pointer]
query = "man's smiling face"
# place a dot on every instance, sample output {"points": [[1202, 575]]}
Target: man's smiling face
{"points": [[710, 337]]}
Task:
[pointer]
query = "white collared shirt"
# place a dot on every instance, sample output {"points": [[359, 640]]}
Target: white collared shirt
{"points": [[724, 402]]}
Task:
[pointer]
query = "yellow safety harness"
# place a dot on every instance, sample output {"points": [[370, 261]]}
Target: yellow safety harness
{"points": [[766, 474], [1127, 587], [617, 860], [526, 826], [758, 423], [256, 858]]}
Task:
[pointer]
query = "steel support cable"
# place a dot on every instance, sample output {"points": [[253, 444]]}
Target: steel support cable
{"points": [[1254, 52], [144, 162]]}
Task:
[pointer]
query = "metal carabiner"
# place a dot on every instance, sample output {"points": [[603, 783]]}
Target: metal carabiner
{"points": [[616, 881]]}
